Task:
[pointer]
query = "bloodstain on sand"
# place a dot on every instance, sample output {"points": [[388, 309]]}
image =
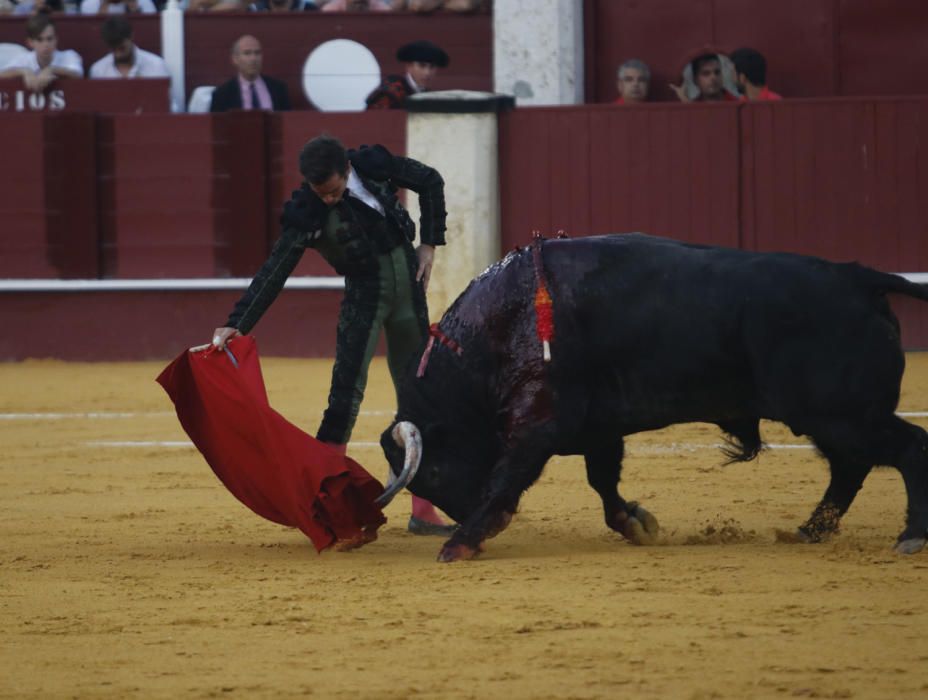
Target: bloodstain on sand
{"points": [[129, 571]]}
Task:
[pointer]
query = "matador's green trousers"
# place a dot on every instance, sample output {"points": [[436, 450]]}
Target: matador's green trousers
{"points": [[391, 301]]}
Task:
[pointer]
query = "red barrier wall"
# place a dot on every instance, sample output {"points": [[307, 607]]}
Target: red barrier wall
{"points": [[665, 169], [840, 179], [150, 325], [48, 202], [149, 95], [813, 47], [157, 186], [844, 179]]}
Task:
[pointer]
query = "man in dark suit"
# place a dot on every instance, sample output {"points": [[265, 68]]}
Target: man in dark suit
{"points": [[249, 89]]}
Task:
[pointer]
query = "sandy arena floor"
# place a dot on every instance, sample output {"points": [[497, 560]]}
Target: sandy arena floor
{"points": [[127, 570]]}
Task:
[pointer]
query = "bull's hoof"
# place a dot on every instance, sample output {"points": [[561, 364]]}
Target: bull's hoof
{"points": [[458, 552], [797, 536], [913, 545], [648, 521], [636, 533]]}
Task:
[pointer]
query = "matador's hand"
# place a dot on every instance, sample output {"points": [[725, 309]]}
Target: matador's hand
{"points": [[222, 335], [426, 255]]}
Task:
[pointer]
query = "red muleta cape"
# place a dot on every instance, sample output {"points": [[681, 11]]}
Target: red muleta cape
{"points": [[269, 464]]}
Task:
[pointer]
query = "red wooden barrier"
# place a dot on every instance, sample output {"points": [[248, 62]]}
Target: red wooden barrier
{"points": [[240, 191], [665, 169], [148, 325], [48, 197], [840, 179], [157, 181], [148, 95]]}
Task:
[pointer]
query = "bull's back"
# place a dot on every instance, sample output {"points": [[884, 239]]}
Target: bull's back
{"points": [[663, 331]]}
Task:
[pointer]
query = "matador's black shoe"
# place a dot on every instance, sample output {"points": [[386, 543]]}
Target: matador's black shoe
{"points": [[417, 526]]}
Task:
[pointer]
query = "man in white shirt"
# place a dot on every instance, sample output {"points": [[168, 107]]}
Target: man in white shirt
{"points": [[126, 60], [45, 63]]}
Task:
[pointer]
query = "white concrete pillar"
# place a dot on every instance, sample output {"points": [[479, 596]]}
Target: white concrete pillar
{"points": [[538, 51], [172, 51], [455, 132]]}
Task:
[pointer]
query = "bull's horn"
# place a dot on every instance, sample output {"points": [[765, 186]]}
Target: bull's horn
{"points": [[406, 436]]}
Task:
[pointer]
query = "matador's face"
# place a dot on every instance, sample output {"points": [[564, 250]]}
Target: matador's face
{"points": [[332, 190]]}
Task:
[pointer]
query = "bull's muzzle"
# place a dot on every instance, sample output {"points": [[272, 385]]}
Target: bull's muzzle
{"points": [[407, 436]]}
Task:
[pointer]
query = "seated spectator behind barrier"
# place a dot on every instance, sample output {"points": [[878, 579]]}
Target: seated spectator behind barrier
{"points": [[45, 63], [249, 89], [751, 75], [358, 6], [126, 60], [632, 81], [704, 80], [112, 7], [281, 6], [422, 60]]}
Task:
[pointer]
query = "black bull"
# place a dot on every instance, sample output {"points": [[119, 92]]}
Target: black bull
{"points": [[650, 332]]}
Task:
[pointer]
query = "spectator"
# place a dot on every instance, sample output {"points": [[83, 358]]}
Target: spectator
{"points": [[422, 59], [751, 75], [45, 63], [704, 80], [632, 81], [126, 60], [281, 6], [358, 6], [112, 7], [250, 89]]}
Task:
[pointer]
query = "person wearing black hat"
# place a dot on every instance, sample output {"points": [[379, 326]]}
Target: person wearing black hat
{"points": [[422, 59]]}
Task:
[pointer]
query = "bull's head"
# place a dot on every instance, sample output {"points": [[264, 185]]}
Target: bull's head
{"points": [[447, 468]]}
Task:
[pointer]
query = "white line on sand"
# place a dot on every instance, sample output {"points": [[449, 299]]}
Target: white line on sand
{"points": [[139, 443], [91, 415]]}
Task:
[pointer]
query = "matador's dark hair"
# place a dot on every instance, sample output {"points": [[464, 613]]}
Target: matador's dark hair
{"points": [[321, 158]]}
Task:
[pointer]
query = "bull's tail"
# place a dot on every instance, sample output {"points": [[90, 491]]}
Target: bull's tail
{"points": [[884, 282]]}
